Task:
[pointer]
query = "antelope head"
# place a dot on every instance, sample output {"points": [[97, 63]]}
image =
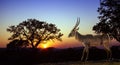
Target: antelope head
{"points": [[75, 29]]}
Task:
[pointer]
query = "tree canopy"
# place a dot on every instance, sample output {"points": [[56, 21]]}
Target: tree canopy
{"points": [[35, 32], [109, 18]]}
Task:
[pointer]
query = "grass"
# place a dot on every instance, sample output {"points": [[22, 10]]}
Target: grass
{"points": [[83, 63]]}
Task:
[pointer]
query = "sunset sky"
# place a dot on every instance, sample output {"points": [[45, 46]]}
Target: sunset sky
{"points": [[63, 13]]}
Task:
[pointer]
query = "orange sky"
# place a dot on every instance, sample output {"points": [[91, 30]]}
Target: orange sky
{"points": [[66, 43]]}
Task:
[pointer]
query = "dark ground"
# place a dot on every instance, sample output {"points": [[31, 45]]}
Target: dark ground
{"points": [[23, 56]]}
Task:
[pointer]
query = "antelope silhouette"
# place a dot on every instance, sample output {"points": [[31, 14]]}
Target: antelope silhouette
{"points": [[89, 39]]}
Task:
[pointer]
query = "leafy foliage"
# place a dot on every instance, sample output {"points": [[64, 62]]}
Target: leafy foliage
{"points": [[109, 18], [35, 32], [18, 44]]}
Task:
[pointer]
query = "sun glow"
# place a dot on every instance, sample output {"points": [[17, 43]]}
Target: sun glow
{"points": [[45, 44]]}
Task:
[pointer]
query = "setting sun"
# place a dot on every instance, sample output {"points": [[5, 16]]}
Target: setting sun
{"points": [[45, 46]]}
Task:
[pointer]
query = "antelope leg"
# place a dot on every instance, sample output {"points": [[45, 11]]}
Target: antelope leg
{"points": [[83, 54], [109, 54], [87, 53]]}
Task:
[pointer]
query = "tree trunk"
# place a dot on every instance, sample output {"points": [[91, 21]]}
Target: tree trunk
{"points": [[37, 43], [32, 45]]}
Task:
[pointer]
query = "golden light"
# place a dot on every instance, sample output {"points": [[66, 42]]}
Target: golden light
{"points": [[45, 46]]}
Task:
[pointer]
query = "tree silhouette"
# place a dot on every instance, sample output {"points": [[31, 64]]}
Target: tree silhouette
{"points": [[18, 44], [35, 32], [109, 18]]}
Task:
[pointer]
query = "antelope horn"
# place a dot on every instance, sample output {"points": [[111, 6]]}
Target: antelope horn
{"points": [[77, 23]]}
